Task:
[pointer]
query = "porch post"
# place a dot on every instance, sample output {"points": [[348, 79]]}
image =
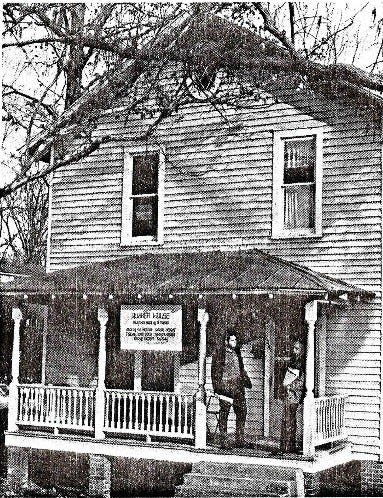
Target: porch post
{"points": [[267, 374], [200, 420], [100, 390], [311, 315], [320, 341], [13, 392]]}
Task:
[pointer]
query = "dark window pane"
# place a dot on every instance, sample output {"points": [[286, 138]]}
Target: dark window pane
{"points": [[145, 174], [299, 206], [299, 160], [145, 216], [157, 371]]}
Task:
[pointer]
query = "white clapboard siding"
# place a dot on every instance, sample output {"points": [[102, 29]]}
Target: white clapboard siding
{"points": [[218, 195], [254, 396]]}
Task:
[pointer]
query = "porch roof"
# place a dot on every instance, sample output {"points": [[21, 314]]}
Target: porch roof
{"points": [[250, 271]]}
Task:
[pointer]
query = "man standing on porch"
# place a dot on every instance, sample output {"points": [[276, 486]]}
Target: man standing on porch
{"points": [[229, 379], [293, 384]]}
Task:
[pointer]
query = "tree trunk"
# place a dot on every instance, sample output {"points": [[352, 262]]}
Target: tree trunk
{"points": [[292, 22], [75, 64]]}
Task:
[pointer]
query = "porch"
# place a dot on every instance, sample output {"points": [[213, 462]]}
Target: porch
{"points": [[163, 416], [106, 415]]}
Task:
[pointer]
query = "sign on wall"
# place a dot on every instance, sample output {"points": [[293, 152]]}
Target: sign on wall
{"points": [[151, 328]]}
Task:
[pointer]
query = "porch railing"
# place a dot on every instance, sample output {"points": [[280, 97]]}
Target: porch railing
{"points": [[149, 413], [330, 426], [56, 406]]}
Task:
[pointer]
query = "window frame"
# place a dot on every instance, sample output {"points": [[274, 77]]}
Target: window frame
{"points": [[278, 231], [127, 238]]}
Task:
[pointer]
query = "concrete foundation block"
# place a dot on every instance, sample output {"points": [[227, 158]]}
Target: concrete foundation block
{"points": [[100, 474], [17, 471], [312, 484], [371, 478]]}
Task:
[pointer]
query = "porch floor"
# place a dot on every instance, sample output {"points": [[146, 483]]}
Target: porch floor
{"points": [[255, 454]]}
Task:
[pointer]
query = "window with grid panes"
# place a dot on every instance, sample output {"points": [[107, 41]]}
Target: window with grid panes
{"points": [[145, 196], [297, 184], [141, 205]]}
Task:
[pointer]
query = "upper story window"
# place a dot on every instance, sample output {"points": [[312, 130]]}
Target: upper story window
{"points": [[297, 184], [142, 198]]}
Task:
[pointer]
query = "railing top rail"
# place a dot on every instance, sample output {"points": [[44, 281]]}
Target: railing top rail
{"points": [[328, 398], [159, 393], [48, 386]]}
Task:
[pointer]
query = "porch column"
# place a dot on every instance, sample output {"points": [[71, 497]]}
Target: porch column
{"points": [[13, 393], [201, 420], [320, 351], [100, 390], [268, 382], [311, 315]]}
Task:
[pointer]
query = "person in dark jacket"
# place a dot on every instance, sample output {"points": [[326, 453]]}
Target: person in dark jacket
{"points": [[230, 379], [294, 389]]}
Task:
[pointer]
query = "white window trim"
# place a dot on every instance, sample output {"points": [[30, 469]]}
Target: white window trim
{"points": [[278, 231], [127, 201]]}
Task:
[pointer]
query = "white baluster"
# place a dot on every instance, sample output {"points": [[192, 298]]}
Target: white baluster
{"points": [[149, 398], [86, 410], [76, 414], [119, 422], [131, 400], [27, 402], [182, 414], [71, 414], [142, 412], [179, 420], [155, 404], [124, 420], [174, 414], [36, 407], [62, 398], [36, 404], [136, 396], [56, 406], [167, 421], [29, 410], [113, 408], [33, 404], [22, 403], [41, 407], [107, 410], [46, 406], [29, 407], [160, 426]]}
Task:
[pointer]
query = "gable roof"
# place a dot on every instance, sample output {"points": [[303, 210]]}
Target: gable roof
{"points": [[212, 38], [250, 271]]}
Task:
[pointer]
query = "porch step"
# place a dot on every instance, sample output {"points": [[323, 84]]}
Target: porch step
{"points": [[233, 479]]}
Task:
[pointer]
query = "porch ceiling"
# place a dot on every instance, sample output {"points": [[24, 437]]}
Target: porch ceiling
{"points": [[250, 271]]}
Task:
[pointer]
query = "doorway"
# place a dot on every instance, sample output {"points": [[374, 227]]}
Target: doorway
{"points": [[33, 344], [281, 331]]}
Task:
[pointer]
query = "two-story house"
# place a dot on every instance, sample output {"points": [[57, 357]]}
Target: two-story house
{"points": [[267, 219]]}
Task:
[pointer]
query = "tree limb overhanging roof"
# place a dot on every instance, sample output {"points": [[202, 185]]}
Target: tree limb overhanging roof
{"points": [[221, 42], [251, 271]]}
